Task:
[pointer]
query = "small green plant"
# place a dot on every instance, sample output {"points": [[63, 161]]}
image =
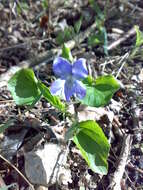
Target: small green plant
{"points": [[21, 6], [69, 33], [6, 125], [100, 36], [44, 4], [137, 50], [73, 83]]}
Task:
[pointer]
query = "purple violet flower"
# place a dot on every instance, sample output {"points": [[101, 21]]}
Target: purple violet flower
{"points": [[70, 75]]}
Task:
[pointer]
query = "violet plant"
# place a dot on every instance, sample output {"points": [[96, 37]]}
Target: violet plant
{"points": [[73, 83], [70, 75]]}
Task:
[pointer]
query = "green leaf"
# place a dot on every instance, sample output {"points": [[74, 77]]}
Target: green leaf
{"points": [[93, 97], [60, 39], [54, 100], [3, 127], [97, 9], [71, 132], [100, 91], [66, 35], [23, 87], [103, 29], [93, 145], [88, 81], [77, 25], [18, 9], [66, 53], [44, 4], [139, 37], [100, 38], [22, 6], [137, 51], [108, 79], [96, 39]]}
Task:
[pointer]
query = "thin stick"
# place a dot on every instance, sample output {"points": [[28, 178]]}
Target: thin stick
{"points": [[132, 183], [130, 5], [66, 153], [17, 171], [124, 57], [2, 183], [116, 179], [6, 101], [130, 33], [130, 165], [22, 45]]}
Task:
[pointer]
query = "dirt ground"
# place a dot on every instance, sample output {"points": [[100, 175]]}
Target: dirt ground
{"points": [[30, 36]]}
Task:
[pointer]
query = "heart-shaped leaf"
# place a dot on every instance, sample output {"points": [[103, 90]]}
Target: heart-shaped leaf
{"points": [[100, 91], [93, 145], [23, 87]]}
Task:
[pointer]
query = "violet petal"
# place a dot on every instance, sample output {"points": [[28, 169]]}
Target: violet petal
{"points": [[79, 69], [62, 68]]}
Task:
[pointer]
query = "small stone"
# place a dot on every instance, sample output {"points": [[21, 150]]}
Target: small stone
{"points": [[41, 166], [39, 187]]}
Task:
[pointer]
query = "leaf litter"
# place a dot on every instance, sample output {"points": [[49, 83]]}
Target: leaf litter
{"points": [[22, 39]]}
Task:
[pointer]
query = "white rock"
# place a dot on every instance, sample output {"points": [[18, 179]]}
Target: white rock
{"points": [[41, 166]]}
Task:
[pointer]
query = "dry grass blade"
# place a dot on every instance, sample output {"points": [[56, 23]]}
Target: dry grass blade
{"points": [[17, 171], [130, 33]]}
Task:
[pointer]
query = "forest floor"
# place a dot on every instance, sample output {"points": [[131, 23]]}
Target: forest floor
{"points": [[31, 35]]}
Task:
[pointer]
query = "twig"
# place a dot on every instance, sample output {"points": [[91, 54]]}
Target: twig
{"points": [[17, 171], [134, 109], [124, 57], [130, 33], [103, 68], [130, 5], [116, 179], [17, 46], [6, 101], [131, 182], [131, 166], [66, 153], [2, 183]]}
